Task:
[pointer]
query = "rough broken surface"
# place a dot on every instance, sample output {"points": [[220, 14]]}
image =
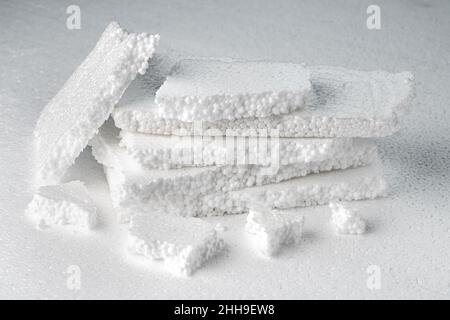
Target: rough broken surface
{"points": [[212, 90], [169, 152], [412, 222], [184, 244], [87, 99], [345, 219], [365, 182], [67, 204], [343, 103], [180, 191], [203, 191], [271, 230]]}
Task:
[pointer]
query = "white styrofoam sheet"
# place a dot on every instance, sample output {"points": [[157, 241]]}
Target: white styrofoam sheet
{"points": [[409, 231]]}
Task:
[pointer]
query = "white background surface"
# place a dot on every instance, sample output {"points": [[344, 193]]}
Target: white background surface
{"points": [[409, 231]]}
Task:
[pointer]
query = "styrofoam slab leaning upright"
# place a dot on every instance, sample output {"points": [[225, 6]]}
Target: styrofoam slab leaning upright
{"points": [[212, 90], [87, 99], [343, 103]]}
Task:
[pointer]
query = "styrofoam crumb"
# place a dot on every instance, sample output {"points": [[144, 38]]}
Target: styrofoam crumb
{"points": [[271, 230], [67, 204], [345, 220]]}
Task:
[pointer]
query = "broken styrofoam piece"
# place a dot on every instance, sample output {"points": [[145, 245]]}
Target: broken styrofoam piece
{"points": [[170, 152], [87, 99], [156, 184], [345, 219], [327, 183], [67, 204], [322, 188], [212, 90], [271, 230], [184, 244], [182, 192], [130, 184], [343, 103], [365, 182]]}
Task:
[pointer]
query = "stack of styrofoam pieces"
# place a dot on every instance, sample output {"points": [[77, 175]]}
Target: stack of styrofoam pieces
{"points": [[341, 103], [189, 190], [189, 134]]}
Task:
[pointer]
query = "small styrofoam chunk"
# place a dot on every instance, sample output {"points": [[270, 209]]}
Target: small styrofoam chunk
{"points": [[345, 219], [87, 99], [184, 244], [181, 190], [67, 204], [343, 103], [211, 90], [271, 230], [170, 152]]}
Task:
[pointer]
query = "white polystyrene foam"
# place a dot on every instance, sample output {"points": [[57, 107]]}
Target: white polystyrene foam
{"points": [[129, 180], [359, 183], [411, 223], [271, 230], [166, 152], [182, 191], [212, 90], [345, 219], [239, 201], [184, 244], [67, 204], [87, 99], [343, 103], [171, 152], [185, 195], [365, 182]]}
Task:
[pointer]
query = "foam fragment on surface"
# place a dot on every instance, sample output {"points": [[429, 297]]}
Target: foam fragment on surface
{"points": [[271, 230], [345, 219], [67, 204], [184, 244]]}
